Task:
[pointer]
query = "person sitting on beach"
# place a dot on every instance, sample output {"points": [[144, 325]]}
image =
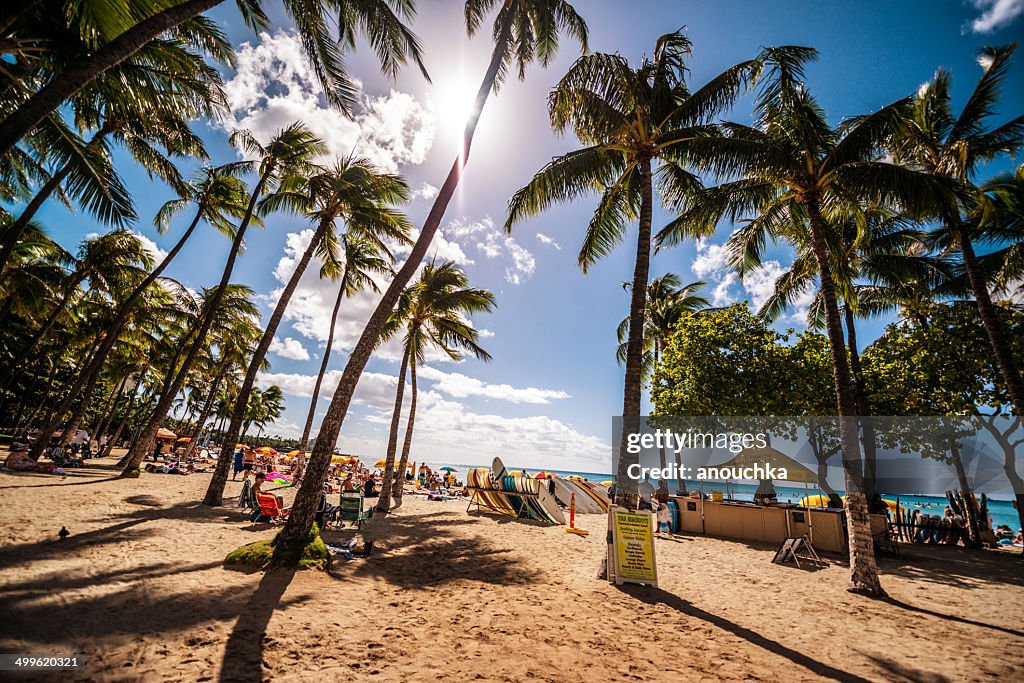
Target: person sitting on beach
{"points": [[257, 489], [348, 484], [369, 488]]}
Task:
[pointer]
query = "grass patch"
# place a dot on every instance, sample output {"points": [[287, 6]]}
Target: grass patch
{"points": [[311, 555]]}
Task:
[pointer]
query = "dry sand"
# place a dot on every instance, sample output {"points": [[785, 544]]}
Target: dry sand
{"points": [[139, 589]]}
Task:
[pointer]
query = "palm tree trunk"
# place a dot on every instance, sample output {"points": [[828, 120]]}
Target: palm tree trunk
{"points": [[625, 487], [863, 570], [205, 412], [399, 486], [71, 80], [87, 378], [323, 370], [108, 410], [863, 410], [387, 483], [993, 325], [215, 491], [128, 414], [973, 528], [300, 521], [148, 435]]}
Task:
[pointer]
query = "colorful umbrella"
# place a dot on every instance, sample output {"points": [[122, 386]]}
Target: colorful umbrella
{"points": [[446, 468], [266, 450], [183, 439], [545, 475], [380, 463], [291, 454]]}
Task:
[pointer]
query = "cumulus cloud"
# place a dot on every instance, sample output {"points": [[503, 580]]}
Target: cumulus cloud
{"points": [[522, 265], [548, 240], [462, 386], [425, 191], [485, 333], [289, 348], [274, 86], [156, 252], [995, 14]]}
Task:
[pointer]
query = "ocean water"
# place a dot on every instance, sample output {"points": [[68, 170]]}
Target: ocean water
{"points": [[1001, 511]]}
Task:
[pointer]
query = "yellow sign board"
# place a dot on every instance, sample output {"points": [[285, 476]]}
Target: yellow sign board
{"points": [[632, 549]]}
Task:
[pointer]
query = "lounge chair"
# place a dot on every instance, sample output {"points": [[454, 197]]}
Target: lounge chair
{"points": [[351, 509], [325, 512], [269, 510]]}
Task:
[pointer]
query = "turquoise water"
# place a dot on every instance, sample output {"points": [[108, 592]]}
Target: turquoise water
{"points": [[1001, 511]]}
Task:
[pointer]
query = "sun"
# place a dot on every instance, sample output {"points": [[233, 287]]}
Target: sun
{"points": [[451, 100]]}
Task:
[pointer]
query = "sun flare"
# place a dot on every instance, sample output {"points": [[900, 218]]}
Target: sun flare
{"points": [[452, 102]]}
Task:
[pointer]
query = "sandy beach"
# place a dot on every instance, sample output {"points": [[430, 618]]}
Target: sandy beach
{"points": [[139, 589]]}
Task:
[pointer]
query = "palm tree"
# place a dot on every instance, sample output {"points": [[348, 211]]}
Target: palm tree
{"points": [[219, 196], [666, 303], [106, 262], [285, 157], [362, 260], [524, 31], [129, 32], [144, 104], [953, 148], [353, 190], [636, 124], [793, 166], [432, 312]]}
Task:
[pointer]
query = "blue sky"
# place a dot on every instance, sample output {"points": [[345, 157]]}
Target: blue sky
{"points": [[546, 399]]}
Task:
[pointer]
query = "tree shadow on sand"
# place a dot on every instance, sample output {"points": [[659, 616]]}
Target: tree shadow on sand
{"points": [[243, 654], [657, 596], [951, 617], [422, 551], [896, 672]]}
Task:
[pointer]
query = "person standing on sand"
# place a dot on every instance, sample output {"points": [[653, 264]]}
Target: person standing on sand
{"points": [[248, 462], [236, 464]]}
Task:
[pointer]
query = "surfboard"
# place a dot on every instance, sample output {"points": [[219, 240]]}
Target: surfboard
{"points": [[586, 503], [673, 520], [480, 478], [549, 506], [599, 493]]}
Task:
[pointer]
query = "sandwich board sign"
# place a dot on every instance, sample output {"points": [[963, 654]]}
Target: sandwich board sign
{"points": [[631, 554]]}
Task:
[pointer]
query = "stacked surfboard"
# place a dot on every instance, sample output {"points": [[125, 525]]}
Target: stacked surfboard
{"points": [[591, 499], [513, 495]]}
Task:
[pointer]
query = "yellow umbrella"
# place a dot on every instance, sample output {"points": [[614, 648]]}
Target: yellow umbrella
{"points": [[821, 501], [380, 463], [266, 450], [607, 483], [293, 454]]}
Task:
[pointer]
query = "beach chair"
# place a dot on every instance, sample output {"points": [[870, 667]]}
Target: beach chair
{"points": [[885, 538], [60, 457], [351, 509], [268, 510]]}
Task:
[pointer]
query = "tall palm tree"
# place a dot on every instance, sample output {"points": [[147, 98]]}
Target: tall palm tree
{"points": [[284, 158], [793, 166], [432, 313], [380, 21], [524, 31], [636, 124], [362, 260], [353, 190], [954, 147], [219, 196]]}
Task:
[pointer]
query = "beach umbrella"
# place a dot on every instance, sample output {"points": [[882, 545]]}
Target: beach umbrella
{"points": [[165, 434], [380, 463], [292, 454], [183, 439], [241, 445], [545, 475], [607, 483], [266, 450], [446, 468]]}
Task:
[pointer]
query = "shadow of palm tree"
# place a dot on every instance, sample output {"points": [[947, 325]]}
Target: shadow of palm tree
{"points": [[243, 654], [951, 617], [898, 673], [657, 596], [423, 552]]}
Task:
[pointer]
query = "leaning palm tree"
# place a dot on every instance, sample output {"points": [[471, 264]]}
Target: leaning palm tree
{"points": [[362, 259], [432, 313], [380, 21], [524, 31], [636, 124], [353, 191], [954, 147], [793, 167], [287, 156]]}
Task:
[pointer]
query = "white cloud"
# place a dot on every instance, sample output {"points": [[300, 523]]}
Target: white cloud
{"points": [[995, 14], [274, 86], [494, 244], [461, 228], [485, 334], [462, 386], [156, 252], [711, 265], [548, 240], [289, 348], [375, 389], [425, 191]]}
